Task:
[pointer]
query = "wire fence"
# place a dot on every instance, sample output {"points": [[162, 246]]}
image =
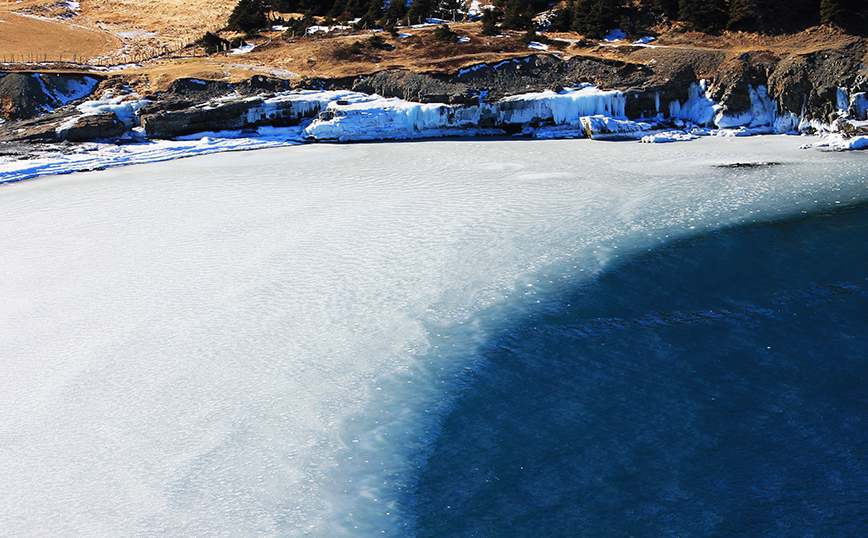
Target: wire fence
{"points": [[131, 54]]}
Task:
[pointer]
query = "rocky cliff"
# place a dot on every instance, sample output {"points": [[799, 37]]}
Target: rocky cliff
{"points": [[815, 85]]}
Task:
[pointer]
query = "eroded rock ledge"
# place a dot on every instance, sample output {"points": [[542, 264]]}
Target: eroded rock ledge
{"points": [[809, 86]]}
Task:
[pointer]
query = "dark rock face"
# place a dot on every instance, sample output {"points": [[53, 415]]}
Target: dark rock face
{"points": [[64, 125], [245, 113], [96, 127], [21, 96], [166, 124], [810, 82], [740, 73], [24, 95]]}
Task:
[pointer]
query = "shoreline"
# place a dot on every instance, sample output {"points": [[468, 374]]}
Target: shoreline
{"points": [[97, 156]]}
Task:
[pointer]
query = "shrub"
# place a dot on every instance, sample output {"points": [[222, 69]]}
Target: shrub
{"points": [[445, 35], [212, 43], [376, 41], [356, 48]]}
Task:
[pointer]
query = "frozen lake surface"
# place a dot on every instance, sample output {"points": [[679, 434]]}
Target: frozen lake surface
{"points": [[276, 343]]}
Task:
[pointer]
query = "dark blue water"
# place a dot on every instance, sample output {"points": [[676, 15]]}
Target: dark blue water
{"points": [[714, 387]]}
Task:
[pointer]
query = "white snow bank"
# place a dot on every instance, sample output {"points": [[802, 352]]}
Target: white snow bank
{"points": [[302, 104], [371, 117], [644, 40], [601, 127], [668, 136], [614, 35], [351, 116], [839, 142], [564, 107], [700, 107], [364, 117], [97, 156], [243, 49], [325, 29], [859, 106], [537, 46], [74, 89], [125, 106]]}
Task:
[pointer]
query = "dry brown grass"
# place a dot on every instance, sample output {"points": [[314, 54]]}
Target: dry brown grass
{"points": [[172, 20], [329, 57], [126, 27], [30, 39]]}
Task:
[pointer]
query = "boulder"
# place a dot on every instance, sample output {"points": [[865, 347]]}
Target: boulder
{"points": [[94, 127]]}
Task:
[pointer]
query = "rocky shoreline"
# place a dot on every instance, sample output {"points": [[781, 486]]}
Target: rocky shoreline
{"points": [[821, 87]]}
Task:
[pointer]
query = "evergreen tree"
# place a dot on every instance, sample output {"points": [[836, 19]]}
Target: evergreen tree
{"points": [[703, 15], [248, 16], [285, 6], [586, 19], [396, 11], [667, 8], [517, 15], [420, 10], [489, 22], [562, 19], [833, 12]]}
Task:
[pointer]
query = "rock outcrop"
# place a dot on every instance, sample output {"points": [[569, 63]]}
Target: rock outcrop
{"points": [[820, 84]]}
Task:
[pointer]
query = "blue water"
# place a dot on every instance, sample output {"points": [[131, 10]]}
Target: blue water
{"points": [[715, 387]]}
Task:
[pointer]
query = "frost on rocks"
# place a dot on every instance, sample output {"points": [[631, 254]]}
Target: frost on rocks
{"points": [[564, 107], [668, 136], [74, 89], [363, 117], [124, 106], [700, 107], [601, 127], [858, 106]]}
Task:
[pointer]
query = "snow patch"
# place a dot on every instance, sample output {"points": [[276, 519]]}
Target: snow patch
{"points": [[614, 35], [538, 46], [838, 142], [859, 106], [326, 29], [131, 34], [602, 127], [668, 136], [244, 49], [124, 106]]}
